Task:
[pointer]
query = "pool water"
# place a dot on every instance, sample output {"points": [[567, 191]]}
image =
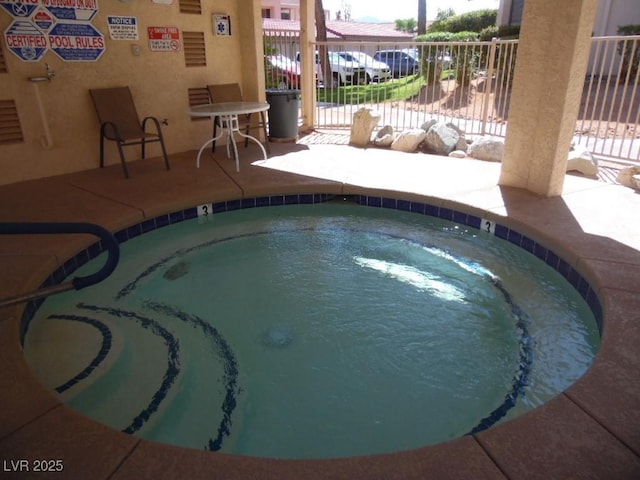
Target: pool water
{"points": [[313, 331]]}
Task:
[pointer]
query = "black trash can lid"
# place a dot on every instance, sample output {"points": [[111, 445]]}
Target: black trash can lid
{"points": [[277, 91]]}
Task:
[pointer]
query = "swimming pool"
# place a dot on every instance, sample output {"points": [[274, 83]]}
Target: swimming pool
{"points": [[542, 335]]}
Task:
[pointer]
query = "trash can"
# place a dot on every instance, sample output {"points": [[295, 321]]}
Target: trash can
{"points": [[283, 114]]}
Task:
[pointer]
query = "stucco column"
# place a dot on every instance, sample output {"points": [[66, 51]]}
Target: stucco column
{"points": [[307, 62], [251, 50], [553, 53]]}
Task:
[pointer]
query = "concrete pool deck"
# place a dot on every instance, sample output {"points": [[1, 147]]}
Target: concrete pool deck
{"points": [[590, 431]]}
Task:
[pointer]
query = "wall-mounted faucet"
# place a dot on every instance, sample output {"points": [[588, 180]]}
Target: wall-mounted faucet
{"points": [[50, 73], [44, 78]]}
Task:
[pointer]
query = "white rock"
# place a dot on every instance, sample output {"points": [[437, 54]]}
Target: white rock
{"points": [[428, 124], [458, 154], [408, 140], [364, 121], [581, 160], [462, 144], [441, 139], [487, 148], [630, 177], [384, 137]]}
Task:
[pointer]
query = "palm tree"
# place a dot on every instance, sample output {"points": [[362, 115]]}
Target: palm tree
{"points": [[422, 17]]}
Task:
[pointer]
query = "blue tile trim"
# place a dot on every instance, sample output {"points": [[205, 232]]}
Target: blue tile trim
{"points": [[447, 213], [501, 231], [248, 203]]}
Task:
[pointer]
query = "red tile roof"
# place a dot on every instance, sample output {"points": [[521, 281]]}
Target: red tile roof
{"points": [[365, 29], [342, 29]]}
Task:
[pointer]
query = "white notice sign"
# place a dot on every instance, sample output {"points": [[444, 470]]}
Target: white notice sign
{"points": [[123, 28]]}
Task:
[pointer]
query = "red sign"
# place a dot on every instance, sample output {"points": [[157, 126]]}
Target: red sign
{"points": [[164, 39]]}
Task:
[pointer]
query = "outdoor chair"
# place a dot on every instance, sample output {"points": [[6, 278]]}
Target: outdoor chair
{"points": [[119, 122], [231, 92]]}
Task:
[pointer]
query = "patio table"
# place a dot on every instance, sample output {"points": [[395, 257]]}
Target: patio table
{"points": [[228, 112]]}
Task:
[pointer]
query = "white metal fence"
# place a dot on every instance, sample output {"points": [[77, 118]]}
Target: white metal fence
{"points": [[469, 85]]}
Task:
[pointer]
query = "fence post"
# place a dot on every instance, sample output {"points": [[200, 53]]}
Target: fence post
{"points": [[488, 89]]}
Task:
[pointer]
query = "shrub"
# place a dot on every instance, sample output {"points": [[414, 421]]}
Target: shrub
{"points": [[508, 32], [464, 60], [467, 22], [448, 37], [488, 33], [630, 53]]}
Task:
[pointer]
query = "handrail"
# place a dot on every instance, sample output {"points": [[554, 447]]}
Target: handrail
{"points": [[109, 242]]}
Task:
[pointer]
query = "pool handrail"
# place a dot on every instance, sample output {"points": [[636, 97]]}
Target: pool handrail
{"points": [[107, 240]]}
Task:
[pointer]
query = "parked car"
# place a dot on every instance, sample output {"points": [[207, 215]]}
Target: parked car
{"points": [[344, 72], [283, 72], [376, 71], [400, 62]]}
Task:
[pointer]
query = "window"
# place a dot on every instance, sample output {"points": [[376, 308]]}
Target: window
{"points": [[285, 14], [266, 13]]}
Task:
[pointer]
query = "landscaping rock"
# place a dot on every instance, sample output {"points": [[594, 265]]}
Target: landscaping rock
{"points": [[384, 137], [364, 121], [428, 124], [487, 148], [462, 144], [441, 139], [408, 140], [458, 154], [630, 177], [581, 160]]}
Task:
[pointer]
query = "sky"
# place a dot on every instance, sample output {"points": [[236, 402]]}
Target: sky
{"points": [[388, 11]]}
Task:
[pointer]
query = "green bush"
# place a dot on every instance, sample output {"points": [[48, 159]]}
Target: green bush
{"points": [[488, 33], [509, 32], [463, 60], [448, 37], [630, 53], [467, 22]]}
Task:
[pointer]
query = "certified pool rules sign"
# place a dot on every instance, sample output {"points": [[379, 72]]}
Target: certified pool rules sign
{"points": [[61, 26]]}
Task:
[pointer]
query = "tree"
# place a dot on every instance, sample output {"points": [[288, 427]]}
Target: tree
{"points": [[321, 38], [422, 17], [444, 14]]}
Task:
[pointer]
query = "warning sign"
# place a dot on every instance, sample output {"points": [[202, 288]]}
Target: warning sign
{"points": [[83, 10], [25, 41], [43, 19], [164, 39], [123, 28], [20, 8], [78, 42]]}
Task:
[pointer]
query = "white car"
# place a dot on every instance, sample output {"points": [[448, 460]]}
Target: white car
{"points": [[376, 71], [344, 72]]}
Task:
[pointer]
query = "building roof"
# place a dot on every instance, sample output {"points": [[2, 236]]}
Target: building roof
{"points": [[344, 30], [365, 29]]}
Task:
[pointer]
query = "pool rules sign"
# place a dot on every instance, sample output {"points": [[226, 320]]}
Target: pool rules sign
{"points": [[61, 26]]}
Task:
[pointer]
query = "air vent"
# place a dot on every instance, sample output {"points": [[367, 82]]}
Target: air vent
{"points": [[190, 6], [10, 129], [3, 63], [195, 54], [198, 96]]}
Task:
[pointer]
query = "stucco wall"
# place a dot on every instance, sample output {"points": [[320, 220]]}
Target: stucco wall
{"points": [[614, 13], [159, 82], [611, 14]]}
